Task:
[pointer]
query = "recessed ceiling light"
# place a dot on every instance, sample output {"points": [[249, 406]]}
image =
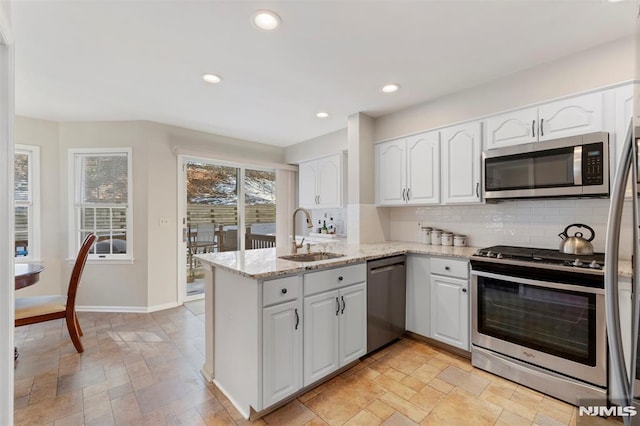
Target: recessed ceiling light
{"points": [[211, 78], [390, 88], [615, 1], [266, 20], [322, 114]]}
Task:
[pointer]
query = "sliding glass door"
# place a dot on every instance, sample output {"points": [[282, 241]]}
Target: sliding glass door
{"points": [[225, 207]]}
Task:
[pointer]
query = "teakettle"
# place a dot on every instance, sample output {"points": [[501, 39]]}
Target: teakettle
{"points": [[576, 244]]}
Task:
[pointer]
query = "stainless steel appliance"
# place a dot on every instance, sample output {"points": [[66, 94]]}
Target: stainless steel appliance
{"points": [[386, 300], [628, 381], [538, 319], [576, 166]]}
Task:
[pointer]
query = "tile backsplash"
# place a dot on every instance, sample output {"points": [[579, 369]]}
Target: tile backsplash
{"points": [[531, 223]]}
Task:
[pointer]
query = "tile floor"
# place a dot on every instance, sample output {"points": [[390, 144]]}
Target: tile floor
{"points": [[143, 369]]}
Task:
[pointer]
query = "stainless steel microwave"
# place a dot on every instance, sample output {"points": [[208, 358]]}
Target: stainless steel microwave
{"points": [[576, 166]]}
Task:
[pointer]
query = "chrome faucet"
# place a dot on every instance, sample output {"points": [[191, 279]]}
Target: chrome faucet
{"points": [[295, 246]]}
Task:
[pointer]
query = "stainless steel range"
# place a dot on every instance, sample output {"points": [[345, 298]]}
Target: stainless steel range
{"points": [[538, 319]]}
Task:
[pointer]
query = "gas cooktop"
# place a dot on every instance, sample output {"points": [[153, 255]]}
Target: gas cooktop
{"points": [[541, 257]]}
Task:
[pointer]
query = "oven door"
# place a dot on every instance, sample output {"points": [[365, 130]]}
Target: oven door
{"points": [[560, 327]]}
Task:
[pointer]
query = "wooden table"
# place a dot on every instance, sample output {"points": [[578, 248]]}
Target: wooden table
{"points": [[26, 274]]}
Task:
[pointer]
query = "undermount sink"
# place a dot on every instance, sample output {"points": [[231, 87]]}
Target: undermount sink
{"points": [[311, 257]]}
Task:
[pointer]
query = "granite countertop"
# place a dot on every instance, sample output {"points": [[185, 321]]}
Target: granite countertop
{"points": [[265, 263]]}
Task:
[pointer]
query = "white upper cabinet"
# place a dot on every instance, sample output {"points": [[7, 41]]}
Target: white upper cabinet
{"points": [[461, 163], [391, 167], [408, 170], [569, 117], [513, 128], [321, 182], [579, 115], [423, 168]]}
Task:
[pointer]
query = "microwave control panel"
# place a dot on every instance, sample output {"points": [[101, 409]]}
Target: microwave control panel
{"points": [[592, 157]]}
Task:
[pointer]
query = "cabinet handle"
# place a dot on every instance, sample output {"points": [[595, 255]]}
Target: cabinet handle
{"points": [[340, 278], [318, 199], [338, 304], [446, 268], [533, 128], [542, 127], [344, 305], [284, 291], [408, 192], [477, 189], [297, 319], [403, 192], [464, 290]]}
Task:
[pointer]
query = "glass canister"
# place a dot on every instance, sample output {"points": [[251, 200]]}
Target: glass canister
{"points": [[459, 240], [435, 237], [426, 235], [446, 238]]}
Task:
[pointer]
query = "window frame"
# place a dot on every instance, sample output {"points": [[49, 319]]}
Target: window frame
{"points": [[33, 204], [75, 188]]}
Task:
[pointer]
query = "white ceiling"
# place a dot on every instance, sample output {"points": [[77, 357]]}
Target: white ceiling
{"points": [[143, 60]]}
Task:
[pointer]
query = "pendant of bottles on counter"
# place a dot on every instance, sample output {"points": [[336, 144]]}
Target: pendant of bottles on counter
{"points": [[440, 237]]}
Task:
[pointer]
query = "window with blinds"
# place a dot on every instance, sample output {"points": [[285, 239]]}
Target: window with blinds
{"points": [[102, 202], [26, 203]]}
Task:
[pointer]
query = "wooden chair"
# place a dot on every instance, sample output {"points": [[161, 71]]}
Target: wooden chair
{"points": [[31, 310]]}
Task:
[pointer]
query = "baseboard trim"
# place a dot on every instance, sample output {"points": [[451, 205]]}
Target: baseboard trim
{"points": [[126, 309]]}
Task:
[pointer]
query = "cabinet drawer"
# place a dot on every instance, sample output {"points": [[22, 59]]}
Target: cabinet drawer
{"points": [[280, 290], [316, 282], [450, 267]]}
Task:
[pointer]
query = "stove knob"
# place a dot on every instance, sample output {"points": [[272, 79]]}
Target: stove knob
{"points": [[489, 254], [499, 256], [595, 265], [577, 262]]}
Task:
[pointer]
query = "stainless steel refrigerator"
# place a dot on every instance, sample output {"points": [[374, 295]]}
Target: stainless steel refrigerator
{"points": [[625, 370]]}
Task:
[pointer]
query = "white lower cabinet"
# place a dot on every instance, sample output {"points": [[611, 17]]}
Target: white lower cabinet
{"points": [[353, 323], [281, 351], [281, 338], [335, 320], [449, 302], [418, 277], [321, 338]]}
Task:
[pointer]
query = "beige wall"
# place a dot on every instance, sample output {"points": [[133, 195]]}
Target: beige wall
{"points": [[330, 143], [604, 65], [151, 280]]}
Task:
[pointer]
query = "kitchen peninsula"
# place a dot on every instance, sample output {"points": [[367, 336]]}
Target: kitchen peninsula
{"points": [[258, 318]]}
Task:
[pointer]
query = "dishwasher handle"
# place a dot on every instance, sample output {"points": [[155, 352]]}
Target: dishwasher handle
{"points": [[386, 268]]}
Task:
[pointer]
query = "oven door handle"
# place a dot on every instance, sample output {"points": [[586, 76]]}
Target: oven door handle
{"points": [[537, 283]]}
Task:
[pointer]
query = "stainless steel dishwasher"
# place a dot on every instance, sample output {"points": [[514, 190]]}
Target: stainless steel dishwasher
{"points": [[386, 300]]}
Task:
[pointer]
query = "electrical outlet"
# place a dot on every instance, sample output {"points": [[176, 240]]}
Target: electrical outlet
{"points": [[164, 221]]}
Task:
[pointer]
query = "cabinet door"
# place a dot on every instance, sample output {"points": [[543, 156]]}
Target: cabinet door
{"points": [[450, 311], [461, 146], [418, 308], [391, 173], [321, 339], [329, 181], [423, 169], [307, 193], [575, 116], [512, 128], [353, 323], [282, 351]]}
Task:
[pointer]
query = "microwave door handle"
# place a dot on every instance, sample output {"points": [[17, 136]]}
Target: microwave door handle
{"points": [[577, 165], [635, 310]]}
